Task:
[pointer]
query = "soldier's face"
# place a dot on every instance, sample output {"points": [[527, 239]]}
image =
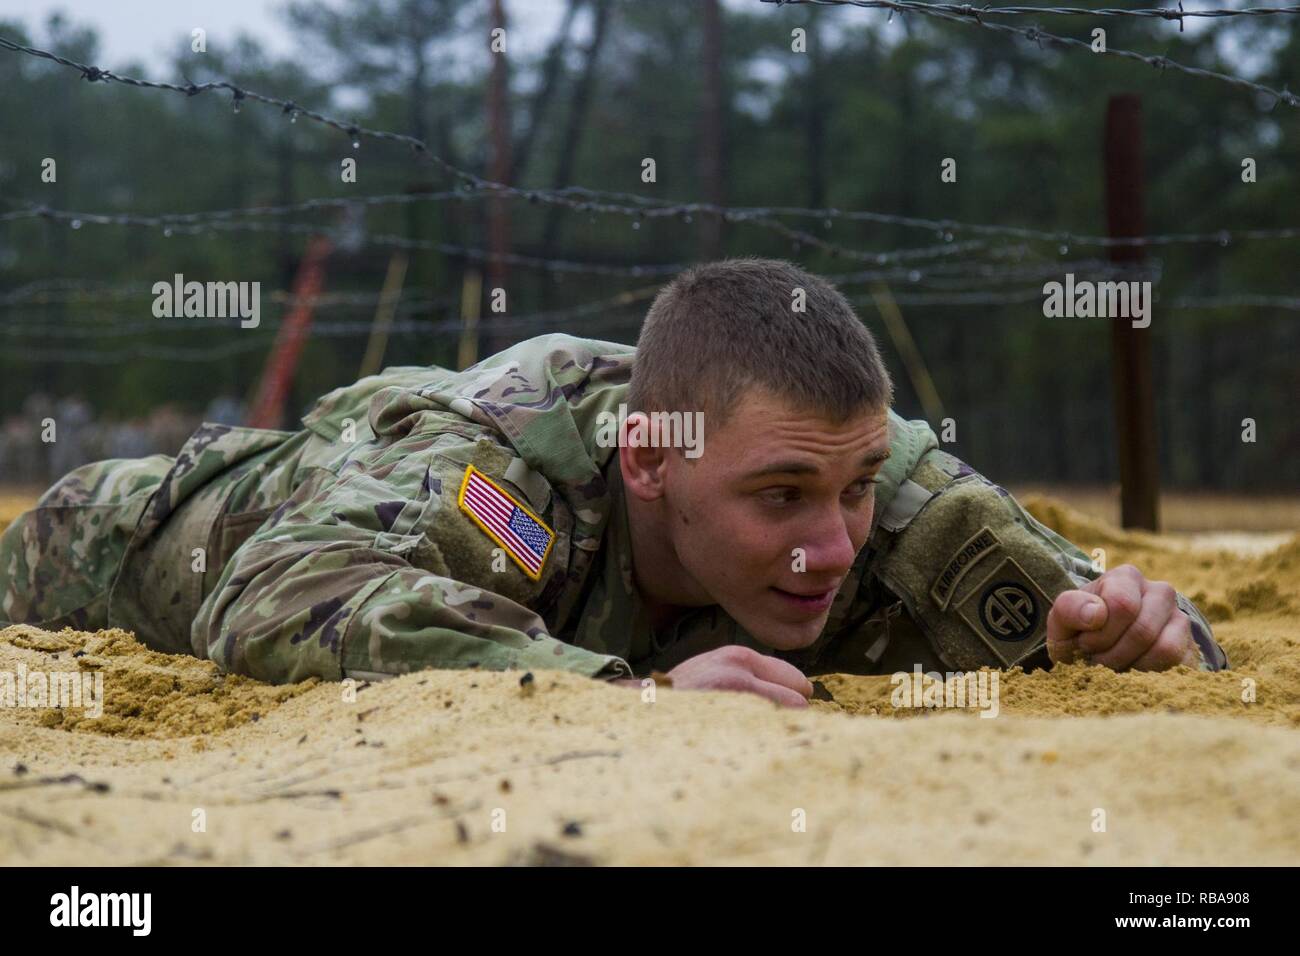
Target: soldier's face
{"points": [[769, 519]]}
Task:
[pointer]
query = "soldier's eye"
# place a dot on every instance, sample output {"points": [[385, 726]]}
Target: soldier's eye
{"points": [[862, 486], [779, 496]]}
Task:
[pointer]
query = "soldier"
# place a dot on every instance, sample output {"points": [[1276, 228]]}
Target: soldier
{"points": [[495, 518]]}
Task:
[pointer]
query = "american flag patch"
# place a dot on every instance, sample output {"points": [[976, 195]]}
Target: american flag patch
{"points": [[516, 529]]}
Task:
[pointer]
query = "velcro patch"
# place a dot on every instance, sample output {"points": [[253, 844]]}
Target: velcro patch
{"points": [[519, 532], [975, 579], [1006, 609], [967, 556]]}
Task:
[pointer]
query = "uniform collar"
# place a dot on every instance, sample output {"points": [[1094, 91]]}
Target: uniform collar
{"points": [[615, 619]]}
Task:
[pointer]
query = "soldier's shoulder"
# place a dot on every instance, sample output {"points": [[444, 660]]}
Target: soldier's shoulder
{"points": [[327, 414], [557, 356]]}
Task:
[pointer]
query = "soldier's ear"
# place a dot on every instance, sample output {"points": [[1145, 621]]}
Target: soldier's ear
{"points": [[641, 458]]}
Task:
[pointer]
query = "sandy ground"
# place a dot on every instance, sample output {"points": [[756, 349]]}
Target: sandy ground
{"points": [[1081, 765]]}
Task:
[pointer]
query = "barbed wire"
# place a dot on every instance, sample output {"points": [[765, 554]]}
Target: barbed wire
{"points": [[736, 214], [959, 298], [215, 353], [624, 299], [33, 295], [644, 207], [651, 207], [988, 10], [116, 329], [344, 234], [255, 342], [68, 289], [37, 210], [355, 131], [262, 342], [168, 326], [197, 222], [1240, 301], [984, 273], [1182, 303], [341, 234], [957, 275], [491, 321], [973, 16]]}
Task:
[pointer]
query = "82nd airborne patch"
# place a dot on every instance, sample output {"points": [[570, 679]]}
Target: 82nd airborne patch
{"points": [[1005, 607], [1005, 610]]}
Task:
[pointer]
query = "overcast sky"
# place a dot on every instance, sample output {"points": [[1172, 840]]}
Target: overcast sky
{"points": [[145, 29]]}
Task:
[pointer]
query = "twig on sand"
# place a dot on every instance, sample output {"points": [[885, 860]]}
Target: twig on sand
{"points": [[396, 826]]}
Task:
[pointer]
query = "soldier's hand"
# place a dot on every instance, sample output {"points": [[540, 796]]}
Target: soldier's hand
{"points": [[1121, 620], [743, 669]]}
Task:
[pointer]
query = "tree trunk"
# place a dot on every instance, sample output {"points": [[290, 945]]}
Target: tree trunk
{"points": [[711, 133], [573, 132], [545, 91], [499, 171]]}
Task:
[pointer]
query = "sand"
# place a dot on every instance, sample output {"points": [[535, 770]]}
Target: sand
{"points": [[1081, 765]]}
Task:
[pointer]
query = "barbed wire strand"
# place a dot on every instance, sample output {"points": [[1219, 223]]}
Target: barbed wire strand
{"points": [[594, 201], [343, 234], [1036, 35], [198, 222], [543, 319], [67, 289], [1240, 301], [648, 209], [33, 295], [988, 10], [256, 341], [40, 325]]}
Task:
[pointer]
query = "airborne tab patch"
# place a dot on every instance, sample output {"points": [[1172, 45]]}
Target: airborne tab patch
{"points": [[956, 567], [517, 530]]}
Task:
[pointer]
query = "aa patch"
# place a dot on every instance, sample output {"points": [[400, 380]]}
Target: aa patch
{"points": [[1006, 609], [519, 532]]}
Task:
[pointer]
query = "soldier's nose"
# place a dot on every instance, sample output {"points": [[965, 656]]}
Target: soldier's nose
{"points": [[830, 548]]}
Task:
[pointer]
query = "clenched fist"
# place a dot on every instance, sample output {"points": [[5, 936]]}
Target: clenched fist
{"points": [[1121, 620]]}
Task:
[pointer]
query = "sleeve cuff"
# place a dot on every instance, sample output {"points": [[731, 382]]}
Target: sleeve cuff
{"points": [[1211, 655]]}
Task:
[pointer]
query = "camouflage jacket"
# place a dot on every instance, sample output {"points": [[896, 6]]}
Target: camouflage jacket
{"points": [[350, 548]]}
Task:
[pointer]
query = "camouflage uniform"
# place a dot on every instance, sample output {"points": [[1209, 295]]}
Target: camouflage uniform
{"points": [[345, 549]]}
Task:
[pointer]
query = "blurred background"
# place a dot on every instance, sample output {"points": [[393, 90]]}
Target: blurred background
{"points": [[588, 89]]}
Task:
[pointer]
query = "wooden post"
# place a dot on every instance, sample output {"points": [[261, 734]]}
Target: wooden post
{"points": [[471, 294], [911, 356], [499, 170], [267, 406], [373, 360], [1133, 393]]}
